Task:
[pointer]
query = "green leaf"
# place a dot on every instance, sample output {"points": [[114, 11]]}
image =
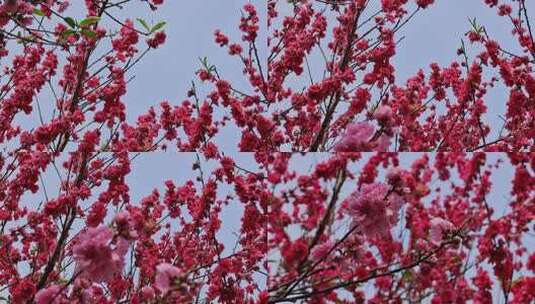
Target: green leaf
{"points": [[89, 21], [407, 276], [38, 12], [89, 33], [144, 24], [66, 33], [158, 26], [475, 26], [204, 62], [71, 22]]}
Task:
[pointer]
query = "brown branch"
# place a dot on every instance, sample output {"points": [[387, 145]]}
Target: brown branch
{"points": [[335, 98], [69, 220], [375, 274]]}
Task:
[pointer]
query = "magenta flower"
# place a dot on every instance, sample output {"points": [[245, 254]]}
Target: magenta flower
{"points": [[374, 209], [383, 114], [320, 252], [438, 229], [355, 138], [95, 257], [382, 143], [165, 274], [50, 295], [147, 293], [125, 225], [394, 176]]}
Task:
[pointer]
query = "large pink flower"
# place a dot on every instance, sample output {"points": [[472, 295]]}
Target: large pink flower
{"points": [[374, 209], [382, 143], [438, 229], [125, 225], [50, 295], [165, 274], [383, 114], [96, 257], [356, 138], [147, 293]]}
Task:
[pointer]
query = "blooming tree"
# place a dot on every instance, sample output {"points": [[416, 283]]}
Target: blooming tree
{"points": [[326, 83], [354, 227], [354, 102], [370, 228]]}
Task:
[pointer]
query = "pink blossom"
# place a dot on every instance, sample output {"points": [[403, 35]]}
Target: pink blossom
{"points": [[95, 258], [165, 274], [394, 176], [360, 137], [374, 209], [438, 228], [356, 137], [147, 293], [125, 225], [92, 293], [50, 295], [383, 114], [157, 40], [504, 10], [382, 144], [424, 3], [320, 251]]}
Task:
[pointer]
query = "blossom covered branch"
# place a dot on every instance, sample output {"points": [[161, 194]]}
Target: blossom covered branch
{"points": [[347, 227]]}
